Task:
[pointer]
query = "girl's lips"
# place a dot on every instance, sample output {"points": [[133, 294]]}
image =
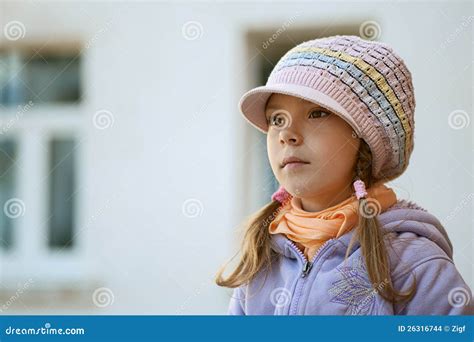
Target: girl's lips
{"points": [[292, 159], [294, 165]]}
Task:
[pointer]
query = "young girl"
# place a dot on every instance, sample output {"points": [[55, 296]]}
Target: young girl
{"points": [[335, 240]]}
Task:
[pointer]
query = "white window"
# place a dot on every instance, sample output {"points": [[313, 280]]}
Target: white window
{"points": [[40, 148]]}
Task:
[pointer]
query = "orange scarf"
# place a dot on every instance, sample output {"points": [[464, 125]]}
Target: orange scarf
{"points": [[310, 230]]}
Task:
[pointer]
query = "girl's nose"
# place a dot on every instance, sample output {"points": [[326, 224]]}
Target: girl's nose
{"points": [[290, 137]]}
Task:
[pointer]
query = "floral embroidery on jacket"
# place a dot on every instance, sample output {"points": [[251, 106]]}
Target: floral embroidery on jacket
{"points": [[353, 289]]}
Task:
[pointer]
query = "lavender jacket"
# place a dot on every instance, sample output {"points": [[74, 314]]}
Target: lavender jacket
{"points": [[328, 286]]}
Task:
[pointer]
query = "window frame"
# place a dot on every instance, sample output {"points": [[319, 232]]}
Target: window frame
{"points": [[30, 256]]}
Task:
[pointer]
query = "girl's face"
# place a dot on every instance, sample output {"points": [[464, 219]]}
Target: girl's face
{"points": [[322, 140]]}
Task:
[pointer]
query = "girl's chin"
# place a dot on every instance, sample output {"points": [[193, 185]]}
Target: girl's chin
{"points": [[296, 189]]}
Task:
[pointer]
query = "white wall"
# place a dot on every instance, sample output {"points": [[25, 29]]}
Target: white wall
{"points": [[177, 134]]}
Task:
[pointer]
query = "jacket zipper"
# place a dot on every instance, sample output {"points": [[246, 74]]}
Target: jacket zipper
{"points": [[307, 266], [306, 269]]}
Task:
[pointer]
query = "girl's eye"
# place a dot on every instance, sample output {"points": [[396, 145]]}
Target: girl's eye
{"points": [[278, 120], [320, 113]]}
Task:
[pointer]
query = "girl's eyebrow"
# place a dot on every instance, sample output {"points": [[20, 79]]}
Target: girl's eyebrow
{"points": [[273, 107]]}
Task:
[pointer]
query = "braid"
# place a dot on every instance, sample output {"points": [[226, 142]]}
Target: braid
{"points": [[371, 236], [363, 167]]}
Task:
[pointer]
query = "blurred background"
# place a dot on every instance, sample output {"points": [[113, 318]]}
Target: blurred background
{"points": [[126, 168]]}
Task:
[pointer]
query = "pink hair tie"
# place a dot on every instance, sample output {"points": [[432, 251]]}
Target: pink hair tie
{"points": [[281, 195], [359, 187]]}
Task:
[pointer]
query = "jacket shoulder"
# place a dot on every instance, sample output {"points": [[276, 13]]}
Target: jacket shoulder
{"points": [[413, 236], [407, 250], [440, 290]]}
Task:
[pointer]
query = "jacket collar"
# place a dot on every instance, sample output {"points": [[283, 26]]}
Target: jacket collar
{"points": [[403, 216]]}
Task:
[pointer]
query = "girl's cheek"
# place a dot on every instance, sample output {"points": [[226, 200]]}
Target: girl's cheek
{"points": [[271, 147], [272, 137]]}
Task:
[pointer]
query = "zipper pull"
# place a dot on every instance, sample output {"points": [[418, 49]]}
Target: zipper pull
{"points": [[306, 268]]}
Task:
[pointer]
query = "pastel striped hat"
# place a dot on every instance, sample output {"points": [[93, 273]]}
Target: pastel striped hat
{"points": [[364, 82]]}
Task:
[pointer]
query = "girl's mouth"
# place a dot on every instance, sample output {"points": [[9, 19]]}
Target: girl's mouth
{"points": [[294, 165], [292, 160]]}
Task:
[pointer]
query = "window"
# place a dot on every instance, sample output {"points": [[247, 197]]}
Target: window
{"points": [[61, 193], [40, 118], [7, 184], [40, 77]]}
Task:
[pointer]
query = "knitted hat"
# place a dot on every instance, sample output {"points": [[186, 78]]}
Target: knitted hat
{"points": [[364, 82]]}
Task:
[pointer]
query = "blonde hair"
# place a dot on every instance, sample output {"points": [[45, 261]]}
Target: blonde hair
{"points": [[257, 253]]}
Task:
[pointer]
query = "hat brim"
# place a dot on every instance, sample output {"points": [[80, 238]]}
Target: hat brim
{"points": [[252, 104]]}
